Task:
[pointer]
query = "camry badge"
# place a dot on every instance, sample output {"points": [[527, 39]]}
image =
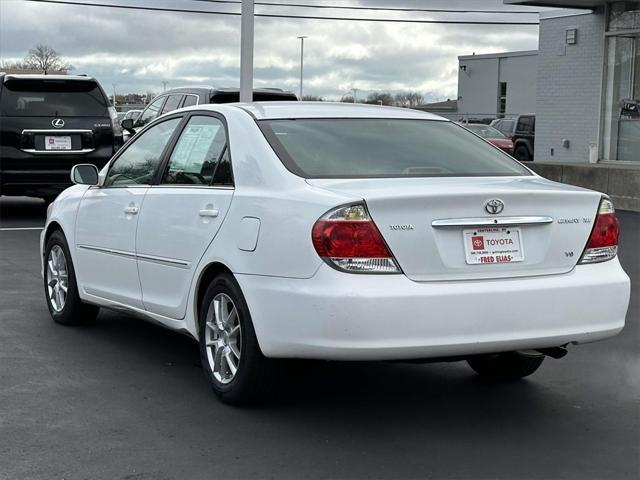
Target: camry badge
{"points": [[494, 206], [57, 123]]}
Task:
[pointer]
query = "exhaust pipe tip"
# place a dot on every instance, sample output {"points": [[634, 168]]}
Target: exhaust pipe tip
{"points": [[553, 352]]}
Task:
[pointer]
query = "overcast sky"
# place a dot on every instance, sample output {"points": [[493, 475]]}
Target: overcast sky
{"points": [[137, 50]]}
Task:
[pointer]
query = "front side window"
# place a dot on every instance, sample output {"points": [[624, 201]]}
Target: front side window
{"points": [[138, 163], [197, 153], [150, 112], [370, 148]]}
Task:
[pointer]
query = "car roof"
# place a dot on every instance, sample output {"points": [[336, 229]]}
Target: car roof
{"points": [[281, 110], [207, 89]]}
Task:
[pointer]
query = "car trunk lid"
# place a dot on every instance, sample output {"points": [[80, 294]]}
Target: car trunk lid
{"points": [[430, 224]]}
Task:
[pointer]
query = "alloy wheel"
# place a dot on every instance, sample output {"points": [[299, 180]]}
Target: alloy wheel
{"points": [[223, 339], [57, 278]]}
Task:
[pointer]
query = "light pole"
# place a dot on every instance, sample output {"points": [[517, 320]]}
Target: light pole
{"points": [[114, 94], [355, 93], [302, 37], [246, 51], [164, 85]]}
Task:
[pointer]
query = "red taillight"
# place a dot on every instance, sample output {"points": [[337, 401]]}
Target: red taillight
{"points": [[603, 242], [605, 232], [348, 239]]}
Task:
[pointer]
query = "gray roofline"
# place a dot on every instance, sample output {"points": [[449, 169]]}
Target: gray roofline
{"points": [[521, 53]]}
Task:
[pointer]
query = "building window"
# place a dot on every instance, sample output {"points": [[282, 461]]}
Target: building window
{"points": [[502, 99], [620, 120]]}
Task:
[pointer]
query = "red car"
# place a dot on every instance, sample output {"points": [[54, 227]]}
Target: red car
{"points": [[491, 135]]}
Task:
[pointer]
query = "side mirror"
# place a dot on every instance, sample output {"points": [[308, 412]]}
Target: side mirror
{"points": [[84, 174], [127, 124]]}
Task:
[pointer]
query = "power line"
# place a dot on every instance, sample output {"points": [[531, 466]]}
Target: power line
{"points": [[270, 15], [383, 9]]}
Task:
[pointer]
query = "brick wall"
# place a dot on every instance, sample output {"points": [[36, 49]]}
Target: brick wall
{"points": [[569, 87]]}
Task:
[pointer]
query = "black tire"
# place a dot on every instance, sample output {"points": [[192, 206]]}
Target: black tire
{"points": [[74, 310], [522, 153], [505, 366], [255, 380]]}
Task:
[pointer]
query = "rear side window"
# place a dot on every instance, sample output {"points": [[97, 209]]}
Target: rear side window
{"points": [[369, 148], [53, 98], [190, 100], [197, 153], [525, 124], [172, 103]]}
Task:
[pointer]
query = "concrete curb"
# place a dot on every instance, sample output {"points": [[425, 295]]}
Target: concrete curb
{"points": [[620, 182]]}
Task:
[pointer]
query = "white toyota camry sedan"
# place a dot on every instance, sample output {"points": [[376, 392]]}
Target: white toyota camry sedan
{"points": [[338, 232]]}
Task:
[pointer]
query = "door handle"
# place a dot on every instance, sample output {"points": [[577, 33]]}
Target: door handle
{"points": [[131, 210], [208, 212]]}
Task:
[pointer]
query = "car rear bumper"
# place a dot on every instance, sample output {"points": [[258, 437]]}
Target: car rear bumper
{"points": [[44, 174], [342, 316]]}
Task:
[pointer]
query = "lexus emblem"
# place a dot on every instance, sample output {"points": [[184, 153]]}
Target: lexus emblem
{"points": [[494, 206], [57, 123]]}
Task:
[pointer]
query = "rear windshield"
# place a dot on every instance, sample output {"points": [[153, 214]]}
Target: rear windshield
{"points": [[485, 131], [366, 148], [53, 98]]}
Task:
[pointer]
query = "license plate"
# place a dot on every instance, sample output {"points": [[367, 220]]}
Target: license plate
{"points": [[493, 245], [57, 143]]}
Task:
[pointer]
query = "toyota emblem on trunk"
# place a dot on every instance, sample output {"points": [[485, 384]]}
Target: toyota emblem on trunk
{"points": [[57, 123], [494, 206]]}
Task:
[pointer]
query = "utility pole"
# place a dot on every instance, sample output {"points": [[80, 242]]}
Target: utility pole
{"points": [[164, 85], [246, 51], [301, 61]]}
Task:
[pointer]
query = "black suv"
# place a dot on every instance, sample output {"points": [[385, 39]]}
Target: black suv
{"points": [[522, 131], [188, 96], [48, 123]]}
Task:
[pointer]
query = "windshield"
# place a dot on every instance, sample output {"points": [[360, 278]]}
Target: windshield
{"points": [[485, 131], [53, 98], [366, 148]]}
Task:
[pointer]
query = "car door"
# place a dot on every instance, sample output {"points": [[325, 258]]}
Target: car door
{"points": [[182, 214], [107, 218]]}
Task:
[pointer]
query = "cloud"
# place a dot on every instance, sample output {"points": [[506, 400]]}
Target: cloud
{"points": [[138, 50]]}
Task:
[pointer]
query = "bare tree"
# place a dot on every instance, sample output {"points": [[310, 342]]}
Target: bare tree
{"points": [[380, 98], [408, 99], [11, 65], [46, 59], [312, 98]]}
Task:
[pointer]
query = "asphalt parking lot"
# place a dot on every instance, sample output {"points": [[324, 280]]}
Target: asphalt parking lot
{"points": [[126, 399]]}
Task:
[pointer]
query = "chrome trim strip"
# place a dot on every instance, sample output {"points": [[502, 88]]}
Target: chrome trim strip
{"points": [[57, 152], [57, 131], [213, 187], [490, 221], [163, 260], [109, 251], [145, 258]]}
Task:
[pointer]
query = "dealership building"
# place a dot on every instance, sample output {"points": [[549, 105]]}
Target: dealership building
{"points": [[588, 95]]}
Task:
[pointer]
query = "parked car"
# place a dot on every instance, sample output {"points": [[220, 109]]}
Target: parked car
{"points": [[522, 131], [491, 135], [338, 232], [188, 96], [133, 113], [48, 124]]}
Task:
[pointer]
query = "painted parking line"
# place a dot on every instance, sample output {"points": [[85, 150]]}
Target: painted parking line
{"points": [[18, 229]]}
